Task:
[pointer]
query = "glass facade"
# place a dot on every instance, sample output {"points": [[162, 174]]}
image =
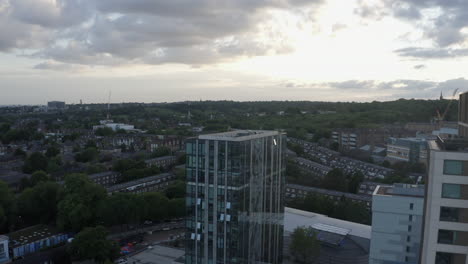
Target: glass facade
{"points": [[234, 201]]}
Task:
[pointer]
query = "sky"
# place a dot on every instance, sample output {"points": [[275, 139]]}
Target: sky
{"points": [[243, 50]]}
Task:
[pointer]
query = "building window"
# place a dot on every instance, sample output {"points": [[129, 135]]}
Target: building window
{"points": [[407, 249], [408, 239], [451, 237], [411, 206], [409, 228], [410, 218], [450, 258], [452, 191], [454, 167], [452, 214]]}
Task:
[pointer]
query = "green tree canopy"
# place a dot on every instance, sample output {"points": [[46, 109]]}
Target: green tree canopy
{"points": [[35, 162], [304, 246], [335, 180], [91, 244], [7, 209], [52, 151], [78, 207], [87, 155], [176, 190], [39, 204]]}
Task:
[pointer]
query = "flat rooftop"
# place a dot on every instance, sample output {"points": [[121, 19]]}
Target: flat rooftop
{"points": [[449, 145], [294, 218], [239, 135], [404, 190], [31, 234], [146, 180], [157, 255]]}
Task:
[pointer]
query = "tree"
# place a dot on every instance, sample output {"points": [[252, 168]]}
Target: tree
{"points": [[335, 146], [355, 181], [20, 153], [52, 151], [177, 207], [87, 155], [335, 180], [304, 245], [39, 204], [121, 208], [298, 149], [38, 176], [91, 244], [156, 206], [176, 190], [104, 131], [36, 161], [78, 208], [6, 206]]}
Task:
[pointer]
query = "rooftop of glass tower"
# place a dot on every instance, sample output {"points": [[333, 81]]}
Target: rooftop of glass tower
{"points": [[240, 135]]}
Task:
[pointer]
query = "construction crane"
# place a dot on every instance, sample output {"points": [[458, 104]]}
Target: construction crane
{"points": [[442, 117]]}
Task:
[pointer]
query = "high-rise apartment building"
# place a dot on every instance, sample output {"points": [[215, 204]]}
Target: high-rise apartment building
{"points": [[463, 115], [397, 216], [235, 197], [445, 235]]}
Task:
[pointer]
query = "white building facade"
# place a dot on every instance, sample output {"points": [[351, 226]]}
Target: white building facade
{"points": [[446, 211], [397, 216]]}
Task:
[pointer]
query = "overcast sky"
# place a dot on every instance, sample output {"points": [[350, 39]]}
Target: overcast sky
{"points": [[177, 50]]}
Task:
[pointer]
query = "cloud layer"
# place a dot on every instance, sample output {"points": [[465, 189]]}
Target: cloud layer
{"points": [[111, 32], [444, 22]]}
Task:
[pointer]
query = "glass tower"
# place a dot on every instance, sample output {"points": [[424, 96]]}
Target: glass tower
{"points": [[235, 197]]}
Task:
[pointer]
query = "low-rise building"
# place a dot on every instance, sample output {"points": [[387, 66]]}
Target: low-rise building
{"points": [[4, 254], [148, 184], [343, 242], [412, 150], [106, 178], [397, 219], [353, 138], [164, 162], [368, 187], [294, 191], [311, 166], [34, 239]]}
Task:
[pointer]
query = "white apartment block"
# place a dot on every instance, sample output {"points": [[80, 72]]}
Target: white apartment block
{"points": [[445, 237], [397, 216]]}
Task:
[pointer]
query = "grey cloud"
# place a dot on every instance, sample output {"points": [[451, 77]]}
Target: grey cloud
{"points": [[431, 53], [419, 66], [51, 65], [353, 84], [108, 32], [445, 30], [51, 14], [373, 89]]}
